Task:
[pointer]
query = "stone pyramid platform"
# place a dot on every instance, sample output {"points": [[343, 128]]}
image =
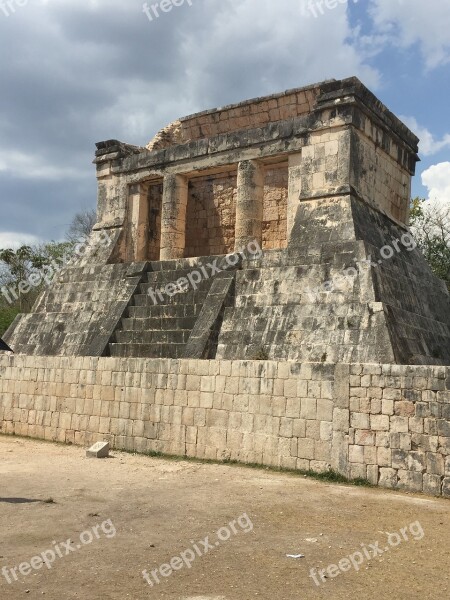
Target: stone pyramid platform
{"points": [[318, 179]]}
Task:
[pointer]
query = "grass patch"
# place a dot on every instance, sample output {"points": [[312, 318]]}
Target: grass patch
{"points": [[327, 476]]}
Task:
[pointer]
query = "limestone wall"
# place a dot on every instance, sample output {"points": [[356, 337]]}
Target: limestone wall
{"points": [[237, 117], [211, 215], [389, 424], [274, 226]]}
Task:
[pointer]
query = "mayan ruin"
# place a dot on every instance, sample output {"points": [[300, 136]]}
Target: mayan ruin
{"points": [[224, 300], [250, 292]]}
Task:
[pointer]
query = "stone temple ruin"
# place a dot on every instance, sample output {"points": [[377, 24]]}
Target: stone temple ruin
{"points": [[319, 178], [260, 299]]}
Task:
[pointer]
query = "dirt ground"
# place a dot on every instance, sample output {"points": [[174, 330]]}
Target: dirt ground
{"points": [[130, 513]]}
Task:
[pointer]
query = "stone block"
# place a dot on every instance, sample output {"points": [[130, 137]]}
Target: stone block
{"points": [[341, 420], [399, 425], [373, 474], [405, 409], [305, 449], [388, 478], [410, 481], [358, 471], [324, 410], [384, 457], [379, 422], [356, 454], [308, 408], [435, 463], [387, 407], [432, 484], [326, 431], [365, 437], [446, 487], [359, 421], [98, 450]]}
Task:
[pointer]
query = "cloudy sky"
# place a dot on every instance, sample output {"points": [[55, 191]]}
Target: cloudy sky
{"points": [[74, 72]]}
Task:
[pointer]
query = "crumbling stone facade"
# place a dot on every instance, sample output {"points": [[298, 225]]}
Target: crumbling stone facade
{"points": [[319, 178]]}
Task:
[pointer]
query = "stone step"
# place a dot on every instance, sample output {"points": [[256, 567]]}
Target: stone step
{"points": [[295, 298], [157, 323], [187, 299], [173, 275], [165, 289], [304, 255], [180, 264], [298, 311], [147, 350], [176, 311], [180, 336], [97, 274], [295, 322]]}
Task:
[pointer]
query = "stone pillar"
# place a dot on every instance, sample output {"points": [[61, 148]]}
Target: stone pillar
{"points": [[294, 190], [173, 218], [249, 205], [138, 223]]}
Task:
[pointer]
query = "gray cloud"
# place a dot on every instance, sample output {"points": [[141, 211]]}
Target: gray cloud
{"points": [[75, 73]]}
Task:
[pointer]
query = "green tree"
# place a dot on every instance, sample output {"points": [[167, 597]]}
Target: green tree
{"points": [[19, 266], [430, 225]]}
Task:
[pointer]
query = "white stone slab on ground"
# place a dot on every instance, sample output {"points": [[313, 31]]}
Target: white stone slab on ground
{"points": [[98, 450]]}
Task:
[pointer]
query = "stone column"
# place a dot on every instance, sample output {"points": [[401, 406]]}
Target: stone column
{"points": [[249, 205], [138, 223], [173, 217], [294, 190]]}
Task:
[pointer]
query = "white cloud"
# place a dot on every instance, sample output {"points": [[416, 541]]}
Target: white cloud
{"points": [[9, 239], [407, 22], [437, 180], [428, 143]]}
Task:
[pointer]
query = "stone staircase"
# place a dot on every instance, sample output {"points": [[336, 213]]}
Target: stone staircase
{"points": [[76, 315], [158, 325]]}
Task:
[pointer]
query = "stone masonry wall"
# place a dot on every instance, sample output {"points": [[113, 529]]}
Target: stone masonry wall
{"points": [[274, 231], [378, 177], [211, 215], [237, 117], [389, 424]]}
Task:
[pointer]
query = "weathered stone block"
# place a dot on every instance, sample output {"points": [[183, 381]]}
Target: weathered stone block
{"points": [[410, 480], [446, 487], [379, 422], [98, 450], [305, 449], [341, 419]]}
